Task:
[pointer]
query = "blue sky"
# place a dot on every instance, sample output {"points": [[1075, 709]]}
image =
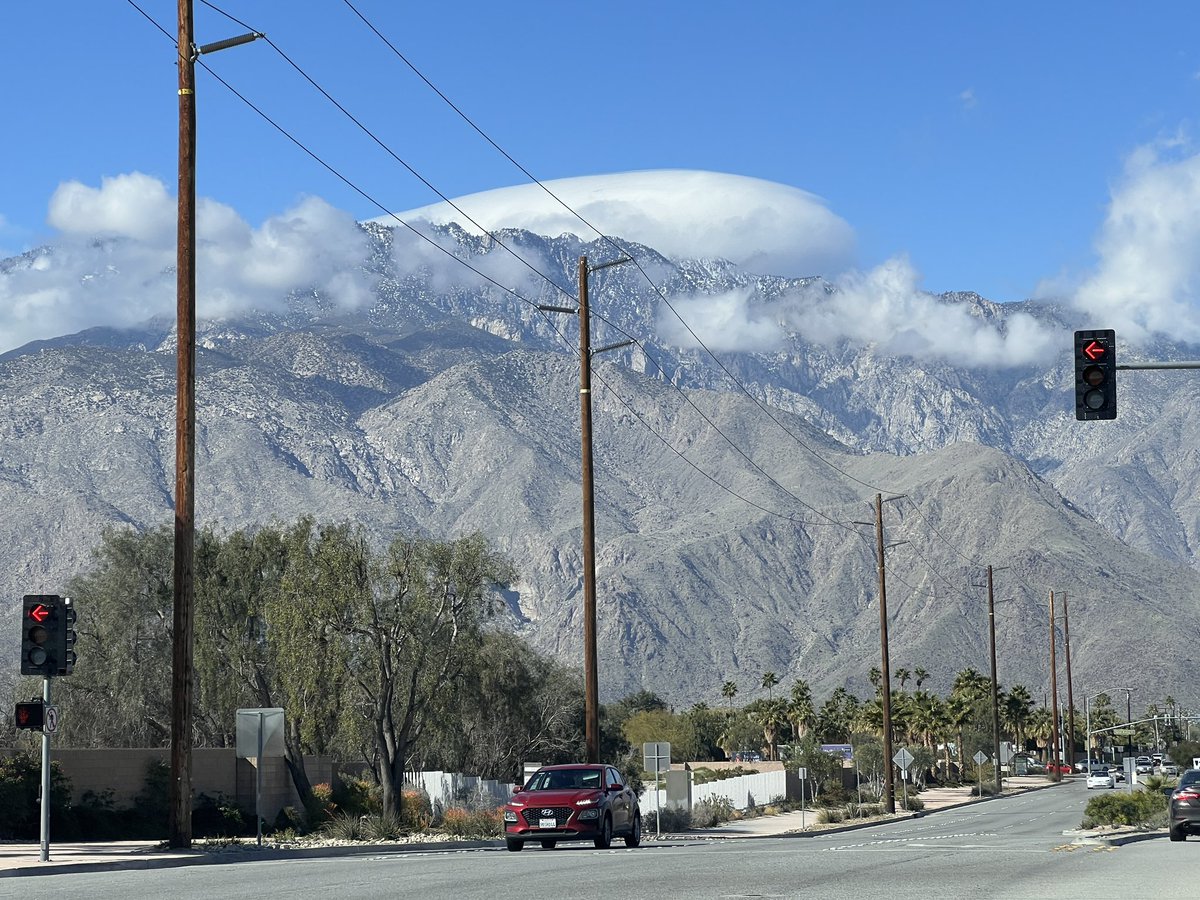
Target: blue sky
{"points": [[982, 142]]}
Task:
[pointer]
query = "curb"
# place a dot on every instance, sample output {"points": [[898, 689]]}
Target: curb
{"points": [[234, 856]]}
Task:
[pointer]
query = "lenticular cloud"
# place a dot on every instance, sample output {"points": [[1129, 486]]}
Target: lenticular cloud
{"points": [[765, 227]]}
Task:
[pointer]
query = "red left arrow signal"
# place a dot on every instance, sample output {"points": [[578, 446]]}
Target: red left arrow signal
{"points": [[1094, 351], [39, 613]]}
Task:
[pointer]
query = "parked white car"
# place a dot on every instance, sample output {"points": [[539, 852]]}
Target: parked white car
{"points": [[1100, 778]]}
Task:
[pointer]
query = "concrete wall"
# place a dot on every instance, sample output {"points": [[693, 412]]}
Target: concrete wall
{"points": [[217, 773]]}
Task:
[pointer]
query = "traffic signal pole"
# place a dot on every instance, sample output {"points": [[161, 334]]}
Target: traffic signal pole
{"points": [[45, 804]]}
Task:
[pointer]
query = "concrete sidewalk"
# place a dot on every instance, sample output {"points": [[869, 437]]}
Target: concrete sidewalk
{"points": [[933, 799], [25, 858]]}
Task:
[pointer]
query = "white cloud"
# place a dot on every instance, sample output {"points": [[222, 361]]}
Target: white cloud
{"points": [[766, 227], [111, 263], [884, 307], [1147, 281], [968, 99]]}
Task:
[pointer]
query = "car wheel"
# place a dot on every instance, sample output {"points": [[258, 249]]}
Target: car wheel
{"points": [[1178, 834], [634, 837], [514, 845], [549, 845], [604, 838]]}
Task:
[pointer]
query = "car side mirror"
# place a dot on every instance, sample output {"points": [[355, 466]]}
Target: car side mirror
{"points": [[616, 787], [517, 788]]}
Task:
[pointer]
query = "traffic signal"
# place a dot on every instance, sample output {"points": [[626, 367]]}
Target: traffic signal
{"points": [[47, 635], [1096, 374], [39, 614], [31, 715]]}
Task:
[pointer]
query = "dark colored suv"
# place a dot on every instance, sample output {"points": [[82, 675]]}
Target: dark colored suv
{"points": [[573, 803], [1183, 806]]}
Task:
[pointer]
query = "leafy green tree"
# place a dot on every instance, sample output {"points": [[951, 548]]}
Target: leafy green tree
{"points": [[119, 696], [409, 618], [663, 725], [518, 707], [824, 769]]}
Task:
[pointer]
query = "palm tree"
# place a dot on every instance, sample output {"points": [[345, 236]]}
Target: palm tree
{"points": [[801, 708], [926, 716], [729, 691], [959, 711], [770, 715], [971, 685], [920, 675], [902, 675], [875, 676], [1018, 704], [769, 680], [1040, 727]]}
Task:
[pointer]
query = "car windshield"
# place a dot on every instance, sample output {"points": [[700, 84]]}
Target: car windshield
{"points": [[565, 780], [1191, 776]]}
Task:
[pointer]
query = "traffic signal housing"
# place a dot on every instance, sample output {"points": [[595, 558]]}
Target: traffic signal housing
{"points": [[38, 615], [1096, 374], [31, 715], [47, 635]]}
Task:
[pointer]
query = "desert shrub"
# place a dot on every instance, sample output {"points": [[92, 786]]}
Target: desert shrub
{"points": [[320, 806], [483, 823], [1138, 808], [913, 804], [830, 815], [216, 817], [863, 810], [383, 827], [289, 819], [343, 827], [416, 812], [711, 811], [359, 796], [989, 789], [670, 820]]}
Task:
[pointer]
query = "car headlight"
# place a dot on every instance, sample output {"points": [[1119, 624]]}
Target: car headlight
{"points": [[589, 814], [510, 816], [587, 801]]}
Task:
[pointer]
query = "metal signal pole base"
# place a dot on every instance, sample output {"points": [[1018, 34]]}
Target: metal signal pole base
{"points": [[45, 804]]}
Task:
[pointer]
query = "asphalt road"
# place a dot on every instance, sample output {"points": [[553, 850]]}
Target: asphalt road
{"points": [[1007, 848]]}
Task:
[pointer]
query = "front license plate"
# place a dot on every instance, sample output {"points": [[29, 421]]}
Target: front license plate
{"points": [[547, 823]]}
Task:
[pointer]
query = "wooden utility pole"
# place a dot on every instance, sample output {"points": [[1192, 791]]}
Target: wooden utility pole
{"points": [[1070, 692], [889, 784], [995, 684], [1053, 696], [180, 825], [590, 667]]}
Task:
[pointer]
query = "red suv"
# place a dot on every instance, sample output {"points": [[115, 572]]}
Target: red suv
{"points": [[572, 803]]}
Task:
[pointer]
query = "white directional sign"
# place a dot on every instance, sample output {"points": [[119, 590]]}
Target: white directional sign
{"points": [[1006, 754], [980, 757], [903, 759], [50, 722]]}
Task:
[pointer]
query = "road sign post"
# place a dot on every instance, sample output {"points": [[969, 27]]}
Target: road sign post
{"points": [[656, 757], [903, 759], [980, 758]]}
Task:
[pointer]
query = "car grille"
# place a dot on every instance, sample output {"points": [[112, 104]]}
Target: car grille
{"points": [[534, 815]]}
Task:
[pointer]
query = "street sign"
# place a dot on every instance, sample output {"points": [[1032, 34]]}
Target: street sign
{"points": [[1006, 753], [50, 725], [656, 756], [802, 773], [980, 757], [903, 759]]}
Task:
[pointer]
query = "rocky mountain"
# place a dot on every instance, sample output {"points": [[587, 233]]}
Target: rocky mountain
{"points": [[725, 512]]}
